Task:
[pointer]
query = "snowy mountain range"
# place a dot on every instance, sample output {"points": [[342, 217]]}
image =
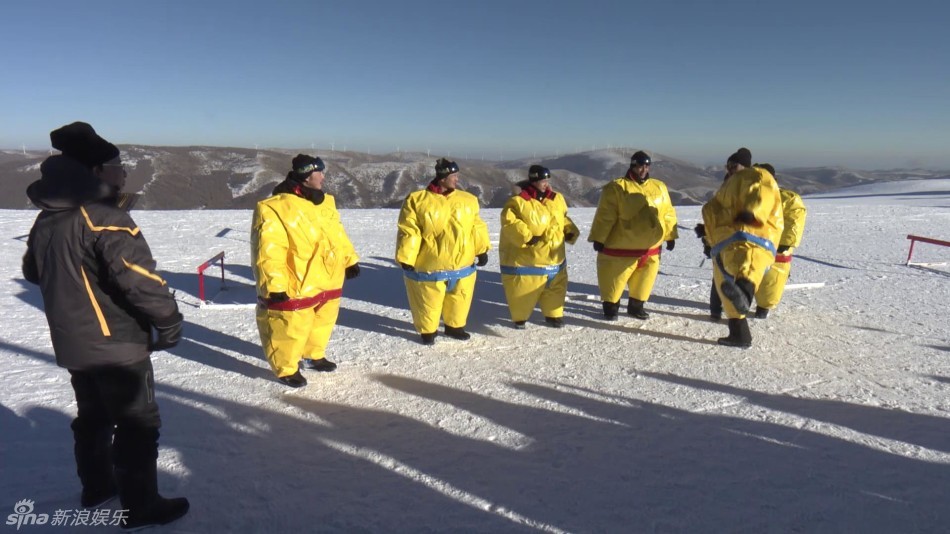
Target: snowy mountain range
{"points": [[201, 177]]}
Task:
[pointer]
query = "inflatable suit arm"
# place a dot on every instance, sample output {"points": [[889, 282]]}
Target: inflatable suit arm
{"points": [[668, 216], [480, 235], [608, 210], [269, 248], [408, 234], [793, 211], [514, 231], [570, 229]]}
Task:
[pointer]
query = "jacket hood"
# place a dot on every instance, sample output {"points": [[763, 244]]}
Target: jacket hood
{"points": [[66, 184]]}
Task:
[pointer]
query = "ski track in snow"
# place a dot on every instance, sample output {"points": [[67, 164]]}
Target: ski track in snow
{"points": [[836, 420]]}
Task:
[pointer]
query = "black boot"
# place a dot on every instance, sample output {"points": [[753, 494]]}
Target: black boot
{"points": [[323, 365], [610, 310], [295, 380], [635, 309], [761, 313], [136, 453], [93, 450], [429, 339], [457, 333], [520, 325], [554, 322], [139, 495], [739, 334], [740, 293]]}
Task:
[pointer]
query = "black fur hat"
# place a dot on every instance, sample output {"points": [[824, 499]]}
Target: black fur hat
{"points": [[81, 142]]}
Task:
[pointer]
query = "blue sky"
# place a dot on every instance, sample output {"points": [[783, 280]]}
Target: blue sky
{"points": [[864, 85]]}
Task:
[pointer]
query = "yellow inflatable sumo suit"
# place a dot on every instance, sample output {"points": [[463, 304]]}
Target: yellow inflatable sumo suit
{"points": [[531, 251], [440, 233], [633, 218], [772, 287], [298, 249], [743, 222]]}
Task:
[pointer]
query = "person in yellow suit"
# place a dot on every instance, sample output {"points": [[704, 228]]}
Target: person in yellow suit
{"points": [[743, 223], [439, 237], [770, 291], [634, 217], [300, 255], [534, 228]]}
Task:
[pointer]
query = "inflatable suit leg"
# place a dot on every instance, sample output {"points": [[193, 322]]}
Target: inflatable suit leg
{"points": [[641, 283], [552, 297], [283, 335]]}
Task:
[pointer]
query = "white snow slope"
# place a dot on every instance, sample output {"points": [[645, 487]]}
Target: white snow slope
{"points": [[837, 420]]}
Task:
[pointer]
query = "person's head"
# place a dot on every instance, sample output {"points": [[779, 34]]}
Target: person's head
{"points": [[767, 167], [739, 160], [446, 174], [308, 170], [79, 141], [538, 176], [640, 166]]}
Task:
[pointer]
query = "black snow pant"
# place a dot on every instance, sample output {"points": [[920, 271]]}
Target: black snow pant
{"points": [[117, 424]]}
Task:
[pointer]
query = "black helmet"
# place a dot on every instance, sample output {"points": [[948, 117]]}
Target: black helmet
{"points": [[537, 173], [640, 158], [444, 167], [304, 165]]}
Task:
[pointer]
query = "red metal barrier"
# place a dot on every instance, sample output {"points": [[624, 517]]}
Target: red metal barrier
{"points": [[201, 276], [916, 238]]}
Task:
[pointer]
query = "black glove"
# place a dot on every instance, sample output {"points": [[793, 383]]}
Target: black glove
{"points": [[274, 298], [598, 246], [352, 271], [534, 240], [707, 250], [670, 244], [700, 230], [782, 249], [407, 267], [482, 259], [746, 217], [568, 236], [169, 332]]}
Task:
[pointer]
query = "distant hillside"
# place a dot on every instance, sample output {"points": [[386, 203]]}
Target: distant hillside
{"points": [[236, 178]]}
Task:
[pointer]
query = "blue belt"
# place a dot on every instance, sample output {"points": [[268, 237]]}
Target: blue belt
{"points": [[452, 277], [549, 270], [739, 237]]}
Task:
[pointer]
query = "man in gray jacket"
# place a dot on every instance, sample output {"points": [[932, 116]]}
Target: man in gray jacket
{"points": [[107, 310]]}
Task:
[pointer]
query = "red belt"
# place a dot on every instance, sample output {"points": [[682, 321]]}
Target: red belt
{"points": [[301, 304], [631, 252], [783, 258], [642, 253]]}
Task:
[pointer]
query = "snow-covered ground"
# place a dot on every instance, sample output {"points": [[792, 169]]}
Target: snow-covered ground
{"points": [[837, 420]]}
